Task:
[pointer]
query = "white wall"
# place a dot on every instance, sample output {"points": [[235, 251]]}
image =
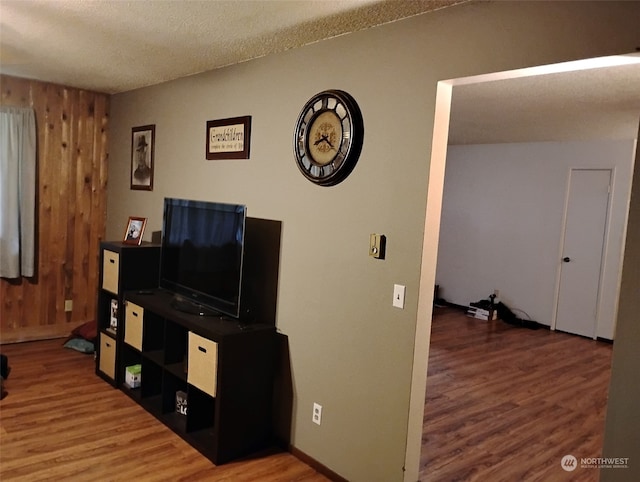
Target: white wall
{"points": [[502, 222]]}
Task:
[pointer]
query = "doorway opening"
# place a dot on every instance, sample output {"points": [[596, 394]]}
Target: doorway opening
{"points": [[444, 114]]}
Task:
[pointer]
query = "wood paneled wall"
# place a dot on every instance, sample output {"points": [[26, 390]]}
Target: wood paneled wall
{"points": [[72, 126]]}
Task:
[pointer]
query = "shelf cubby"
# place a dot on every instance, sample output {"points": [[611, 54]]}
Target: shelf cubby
{"points": [[172, 385], [200, 403], [151, 384], [175, 351]]}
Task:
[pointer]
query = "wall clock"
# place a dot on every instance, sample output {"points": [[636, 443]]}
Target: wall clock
{"points": [[328, 137]]}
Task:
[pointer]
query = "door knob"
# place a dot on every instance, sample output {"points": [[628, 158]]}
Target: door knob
{"points": [[566, 259]]}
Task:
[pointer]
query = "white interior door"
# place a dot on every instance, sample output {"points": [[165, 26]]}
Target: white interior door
{"points": [[581, 262]]}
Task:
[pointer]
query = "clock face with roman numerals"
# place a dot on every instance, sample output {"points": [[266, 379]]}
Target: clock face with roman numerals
{"points": [[328, 137]]}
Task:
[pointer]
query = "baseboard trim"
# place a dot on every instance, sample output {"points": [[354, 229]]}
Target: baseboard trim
{"points": [[313, 463]]}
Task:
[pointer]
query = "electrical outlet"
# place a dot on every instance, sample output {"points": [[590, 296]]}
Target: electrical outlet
{"points": [[68, 305], [497, 293], [317, 413]]}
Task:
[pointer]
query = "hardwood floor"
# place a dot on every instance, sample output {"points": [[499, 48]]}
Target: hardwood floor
{"points": [[503, 404], [60, 422], [506, 403]]}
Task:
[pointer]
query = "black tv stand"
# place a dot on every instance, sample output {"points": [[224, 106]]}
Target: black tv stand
{"points": [[222, 370], [191, 307]]}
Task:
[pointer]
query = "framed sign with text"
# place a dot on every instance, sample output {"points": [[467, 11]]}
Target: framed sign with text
{"points": [[228, 138]]}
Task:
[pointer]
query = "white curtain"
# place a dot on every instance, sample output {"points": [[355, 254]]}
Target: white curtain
{"points": [[17, 191]]}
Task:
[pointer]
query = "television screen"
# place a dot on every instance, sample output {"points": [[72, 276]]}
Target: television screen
{"points": [[202, 254]]}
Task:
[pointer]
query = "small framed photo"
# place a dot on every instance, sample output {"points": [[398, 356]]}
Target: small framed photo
{"points": [[142, 151], [134, 231], [228, 138]]}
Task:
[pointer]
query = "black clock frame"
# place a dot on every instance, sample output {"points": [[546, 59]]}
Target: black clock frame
{"points": [[350, 148]]}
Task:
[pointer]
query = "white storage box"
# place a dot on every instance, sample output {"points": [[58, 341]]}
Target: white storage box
{"points": [[133, 376]]}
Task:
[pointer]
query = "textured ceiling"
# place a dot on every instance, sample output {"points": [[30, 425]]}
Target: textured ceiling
{"points": [[114, 45], [589, 103]]}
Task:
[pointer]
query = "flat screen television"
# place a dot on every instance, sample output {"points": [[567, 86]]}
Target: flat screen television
{"points": [[202, 255]]}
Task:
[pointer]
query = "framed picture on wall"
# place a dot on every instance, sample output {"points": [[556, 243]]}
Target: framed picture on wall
{"points": [[228, 138], [142, 150], [135, 229]]}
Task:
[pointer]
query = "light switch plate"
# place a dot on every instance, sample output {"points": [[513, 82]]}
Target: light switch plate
{"points": [[398, 296]]}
